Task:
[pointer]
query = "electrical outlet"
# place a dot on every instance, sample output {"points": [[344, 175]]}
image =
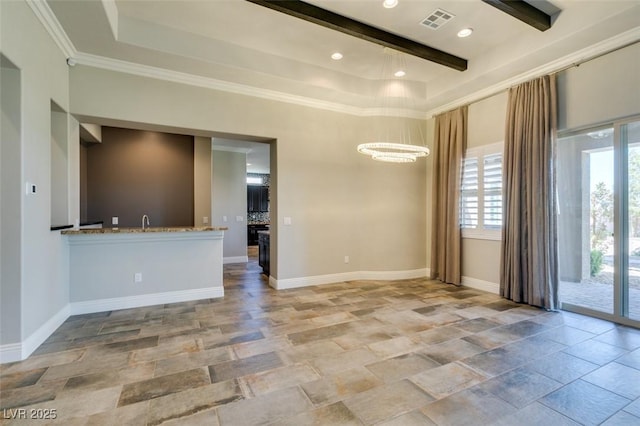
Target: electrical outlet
{"points": [[114, 220], [205, 220], [224, 218], [287, 220], [346, 259], [137, 277], [239, 219]]}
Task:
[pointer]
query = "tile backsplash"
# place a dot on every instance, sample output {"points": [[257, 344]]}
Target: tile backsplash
{"points": [[258, 217], [266, 178]]}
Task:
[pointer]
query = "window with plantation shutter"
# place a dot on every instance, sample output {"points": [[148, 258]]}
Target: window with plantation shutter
{"points": [[481, 193], [469, 193], [492, 191]]}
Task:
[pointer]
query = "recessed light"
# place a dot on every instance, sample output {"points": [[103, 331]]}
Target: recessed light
{"points": [[390, 4], [466, 32], [336, 56], [400, 73]]}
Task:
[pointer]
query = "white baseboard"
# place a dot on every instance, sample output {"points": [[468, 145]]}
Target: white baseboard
{"points": [[235, 259], [10, 352], [19, 351], [481, 285], [288, 283], [101, 305]]}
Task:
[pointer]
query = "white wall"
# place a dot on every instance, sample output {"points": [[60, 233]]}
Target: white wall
{"points": [[340, 202], [10, 205], [43, 258], [229, 198], [174, 266]]}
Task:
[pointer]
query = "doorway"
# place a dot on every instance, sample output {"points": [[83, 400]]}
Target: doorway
{"points": [[599, 221], [243, 194]]}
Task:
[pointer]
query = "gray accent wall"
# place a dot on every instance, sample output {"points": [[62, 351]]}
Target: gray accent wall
{"points": [[133, 173]]}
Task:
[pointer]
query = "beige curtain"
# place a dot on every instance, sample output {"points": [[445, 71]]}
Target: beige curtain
{"points": [[450, 144], [529, 258]]}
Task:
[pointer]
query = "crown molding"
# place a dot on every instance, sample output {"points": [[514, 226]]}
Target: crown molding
{"points": [[211, 83], [242, 89], [51, 24], [581, 56], [48, 19]]}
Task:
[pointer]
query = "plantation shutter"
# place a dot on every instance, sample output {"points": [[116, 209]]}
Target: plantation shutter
{"points": [[492, 182], [469, 193]]}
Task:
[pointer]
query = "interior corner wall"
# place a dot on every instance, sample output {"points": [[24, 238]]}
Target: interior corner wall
{"points": [[229, 199], [201, 181], [43, 277]]}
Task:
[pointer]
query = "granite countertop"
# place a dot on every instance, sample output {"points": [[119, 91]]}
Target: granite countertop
{"points": [[257, 223], [146, 230]]}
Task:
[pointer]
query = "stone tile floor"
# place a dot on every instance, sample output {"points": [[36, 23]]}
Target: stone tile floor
{"points": [[411, 352]]}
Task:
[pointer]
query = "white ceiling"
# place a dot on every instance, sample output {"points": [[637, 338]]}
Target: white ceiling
{"points": [[242, 46]]}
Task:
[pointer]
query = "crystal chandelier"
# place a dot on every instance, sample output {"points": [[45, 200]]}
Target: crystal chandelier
{"points": [[393, 152], [394, 143]]}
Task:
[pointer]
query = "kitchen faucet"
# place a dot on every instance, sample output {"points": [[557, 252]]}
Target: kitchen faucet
{"points": [[144, 216]]}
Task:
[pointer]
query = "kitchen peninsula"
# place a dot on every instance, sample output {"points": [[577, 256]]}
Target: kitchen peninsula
{"points": [[119, 268]]}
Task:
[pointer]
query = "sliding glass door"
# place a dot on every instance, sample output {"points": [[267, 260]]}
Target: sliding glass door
{"points": [[599, 221], [630, 146]]}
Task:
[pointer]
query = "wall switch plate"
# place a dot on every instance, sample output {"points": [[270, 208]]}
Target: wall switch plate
{"points": [[287, 220], [137, 277], [205, 220], [239, 219], [224, 218], [346, 259], [114, 220]]}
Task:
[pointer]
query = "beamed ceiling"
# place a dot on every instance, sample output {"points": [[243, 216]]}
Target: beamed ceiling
{"points": [[272, 49]]}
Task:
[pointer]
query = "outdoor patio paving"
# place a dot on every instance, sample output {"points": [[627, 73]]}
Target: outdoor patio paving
{"points": [[597, 296]]}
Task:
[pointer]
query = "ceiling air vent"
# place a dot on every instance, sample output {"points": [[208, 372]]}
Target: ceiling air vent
{"points": [[437, 19]]}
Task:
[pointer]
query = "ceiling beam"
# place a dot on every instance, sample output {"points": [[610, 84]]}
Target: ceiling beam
{"points": [[523, 11], [334, 21]]}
